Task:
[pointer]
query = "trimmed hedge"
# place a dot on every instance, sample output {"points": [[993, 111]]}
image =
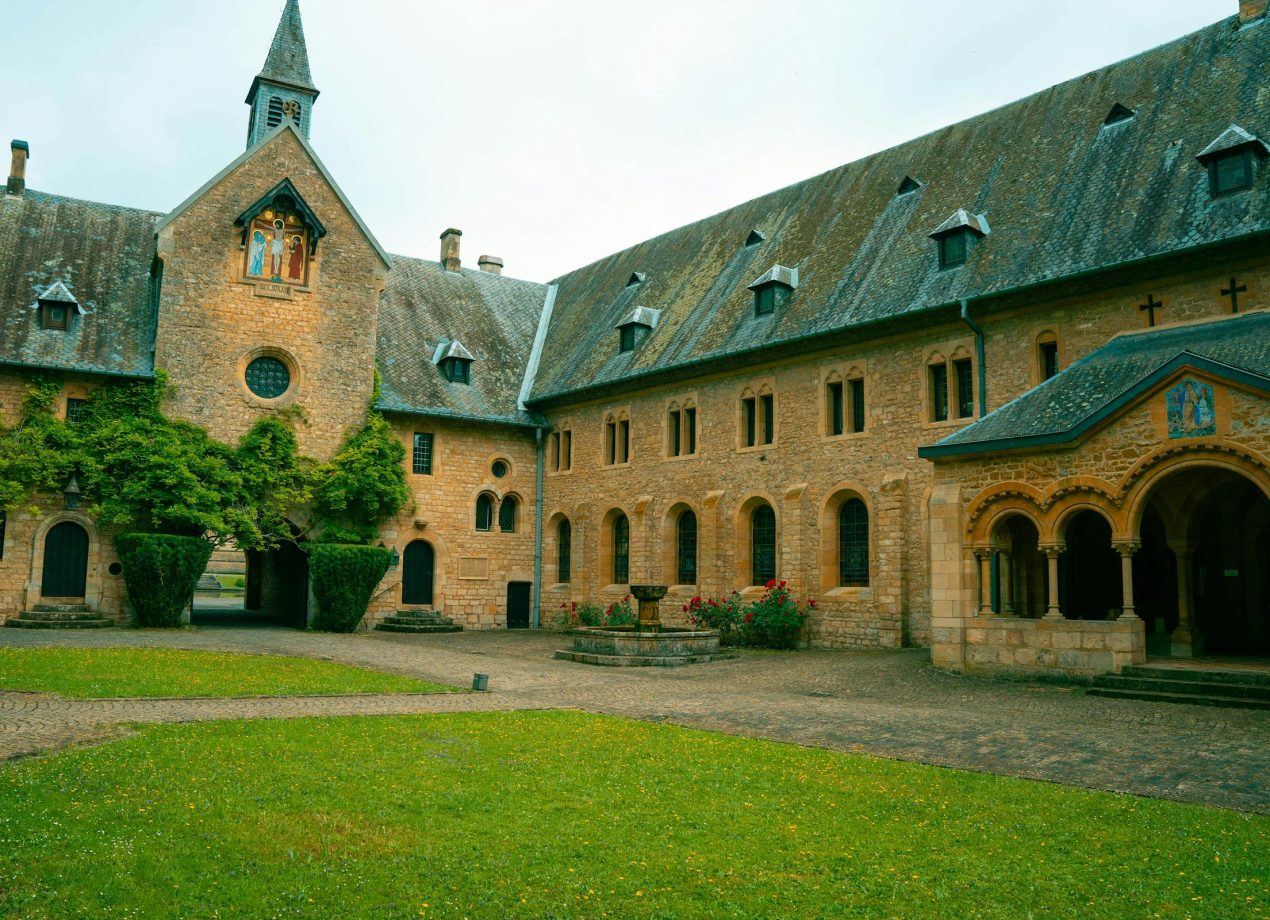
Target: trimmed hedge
{"points": [[344, 578], [161, 572]]}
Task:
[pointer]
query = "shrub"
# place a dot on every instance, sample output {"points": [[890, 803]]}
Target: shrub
{"points": [[344, 578], [724, 615], [161, 572], [774, 620], [620, 613], [590, 615], [566, 615]]}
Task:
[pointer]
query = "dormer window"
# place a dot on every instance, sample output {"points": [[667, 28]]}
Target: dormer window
{"points": [[755, 237], [908, 186], [635, 327], [55, 306], [774, 289], [1119, 113], [454, 361], [1232, 161], [957, 236], [635, 278]]}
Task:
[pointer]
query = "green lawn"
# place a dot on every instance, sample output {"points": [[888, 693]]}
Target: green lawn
{"points": [[99, 673], [565, 814]]}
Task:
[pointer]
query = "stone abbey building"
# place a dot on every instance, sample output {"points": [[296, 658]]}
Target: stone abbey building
{"points": [[1003, 390]]}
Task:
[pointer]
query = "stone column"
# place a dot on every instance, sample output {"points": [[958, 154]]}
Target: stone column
{"points": [[1126, 550], [1186, 641], [984, 558], [1006, 569], [1051, 555], [710, 575]]}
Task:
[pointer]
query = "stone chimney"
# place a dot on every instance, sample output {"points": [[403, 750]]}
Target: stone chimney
{"points": [[450, 250], [491, 264], [17, 172], [1251, 10]]}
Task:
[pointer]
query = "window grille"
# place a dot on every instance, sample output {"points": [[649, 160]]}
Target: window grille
{"points": [[268, 377], [564, 557], [686, 549], [1231, 173], [621, 551], [484, 512], [965, 388], [507, 515], [853, 544], [857, 404], [422, 455], [763, 544], [75, 409], [953, 249]]}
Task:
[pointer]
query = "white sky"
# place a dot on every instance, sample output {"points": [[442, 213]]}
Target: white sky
{"points": [[552, 133]]}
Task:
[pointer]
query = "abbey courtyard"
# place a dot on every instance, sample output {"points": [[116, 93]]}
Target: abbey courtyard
{"points": [[1004, 401]]}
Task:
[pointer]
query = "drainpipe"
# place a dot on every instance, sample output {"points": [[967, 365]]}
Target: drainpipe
{"points": [[537, 531], [983, 370]]}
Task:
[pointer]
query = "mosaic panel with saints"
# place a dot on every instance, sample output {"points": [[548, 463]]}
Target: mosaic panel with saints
{"points": [[277, 249]]}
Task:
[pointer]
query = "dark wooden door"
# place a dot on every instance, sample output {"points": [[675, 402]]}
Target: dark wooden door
{"points": [[65, 561], [417, 574], [518, 604]]}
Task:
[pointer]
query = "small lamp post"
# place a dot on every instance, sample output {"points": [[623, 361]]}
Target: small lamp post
{"points": [[71, 495]]}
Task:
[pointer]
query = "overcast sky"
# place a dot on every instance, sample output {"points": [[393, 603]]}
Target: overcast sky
{"points": [[552, 133]]}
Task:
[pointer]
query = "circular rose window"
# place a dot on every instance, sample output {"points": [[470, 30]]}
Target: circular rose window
{"points": [[499, 469], [268, 377]]}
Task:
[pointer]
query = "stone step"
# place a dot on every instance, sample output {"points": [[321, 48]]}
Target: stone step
{"points": [[419, 616], [642, 661], [207, 582], [1229, 702], [60, 608], [61, 616], [418, 627], [1178, 686], [1200, 675], [23, 623]]}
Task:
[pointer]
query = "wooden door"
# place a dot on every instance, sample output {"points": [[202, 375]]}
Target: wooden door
{"points": [[418, 573], [65, 561], [518, 604]]}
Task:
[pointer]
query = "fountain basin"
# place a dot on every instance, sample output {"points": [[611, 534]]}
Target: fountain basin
{"points": [[632, 647]]}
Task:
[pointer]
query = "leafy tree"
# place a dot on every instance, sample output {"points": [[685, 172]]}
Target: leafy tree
{"points": [[364, 484]]}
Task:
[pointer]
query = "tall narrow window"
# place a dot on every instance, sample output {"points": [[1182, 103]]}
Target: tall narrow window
{"points": [[690, 426], [938, 392], [834, 402], [566, 448], [626, 339], [421, 456], [484, 512], [853, 544], [623, 441], [965, 388], [763, 545], [674, 432], [621, 550], [686, 549], [1047, 355], [564, 551], [769, 417], [507, 515], [749, 409], [553, 462], [610, 443], [857, 404]]}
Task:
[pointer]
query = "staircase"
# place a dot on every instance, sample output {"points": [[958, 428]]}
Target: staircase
{"points": [[59, 616], [1232, 687], [419, 621], [225, 561]]}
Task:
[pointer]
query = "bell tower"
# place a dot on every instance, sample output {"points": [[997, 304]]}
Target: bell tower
{"points": [[284, 87]]}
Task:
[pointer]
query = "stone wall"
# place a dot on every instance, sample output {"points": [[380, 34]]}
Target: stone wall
{"points": [[1079, 649]]}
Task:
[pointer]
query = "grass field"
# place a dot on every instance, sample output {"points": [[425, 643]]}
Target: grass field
{"points": [[563, 814], [99, 673]]}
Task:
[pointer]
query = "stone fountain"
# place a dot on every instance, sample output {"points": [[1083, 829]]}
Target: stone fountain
{"points": [[647, 643]]}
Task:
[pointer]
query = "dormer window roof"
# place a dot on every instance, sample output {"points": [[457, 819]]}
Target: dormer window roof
{"points": [[756, 236], [957, 235], [454, 361], [1119, 113], [635, 326], [773, 289], [1232, 160], [55, 306], [636, 278]]}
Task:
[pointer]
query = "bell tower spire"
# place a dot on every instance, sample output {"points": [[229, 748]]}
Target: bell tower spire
{"points": [[284, 87]]}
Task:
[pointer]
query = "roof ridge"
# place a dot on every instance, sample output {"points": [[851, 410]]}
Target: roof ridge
{"points": [[33, 194]]}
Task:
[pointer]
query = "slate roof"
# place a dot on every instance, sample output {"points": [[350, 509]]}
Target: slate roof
{"points": [[102, 254], [496, 318], [1090, 390], [1064, 195], [288, 58]]}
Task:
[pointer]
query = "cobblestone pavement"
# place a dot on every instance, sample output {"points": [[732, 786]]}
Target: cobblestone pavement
{"points": [[890, 704]]}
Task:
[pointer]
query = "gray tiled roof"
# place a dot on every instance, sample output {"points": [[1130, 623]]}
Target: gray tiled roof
{"points": [[1233, 138], [1066, 406], [1063, 196], [495, 317], [102, 254], [288, 58], [640, 316]]}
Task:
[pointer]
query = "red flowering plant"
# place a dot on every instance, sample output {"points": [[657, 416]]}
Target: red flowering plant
{"points": [[566, 615], [775, 619], [620, 613], [723, 615]]}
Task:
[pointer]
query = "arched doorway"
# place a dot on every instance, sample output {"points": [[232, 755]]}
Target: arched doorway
{"points": [[1205, 556], [1089, 571], [418, 573], [65, 561], [1022, 575]]}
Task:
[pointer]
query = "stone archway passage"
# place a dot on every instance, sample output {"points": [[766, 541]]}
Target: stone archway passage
{"points": [[1090, 572], [65, 561], [418, 575]]}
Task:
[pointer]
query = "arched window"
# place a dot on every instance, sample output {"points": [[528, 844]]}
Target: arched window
{"points": [[853, 544], [763, 545], [564, 551], [484, 512], [686, 549], [621, 550], [507, 515]]}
